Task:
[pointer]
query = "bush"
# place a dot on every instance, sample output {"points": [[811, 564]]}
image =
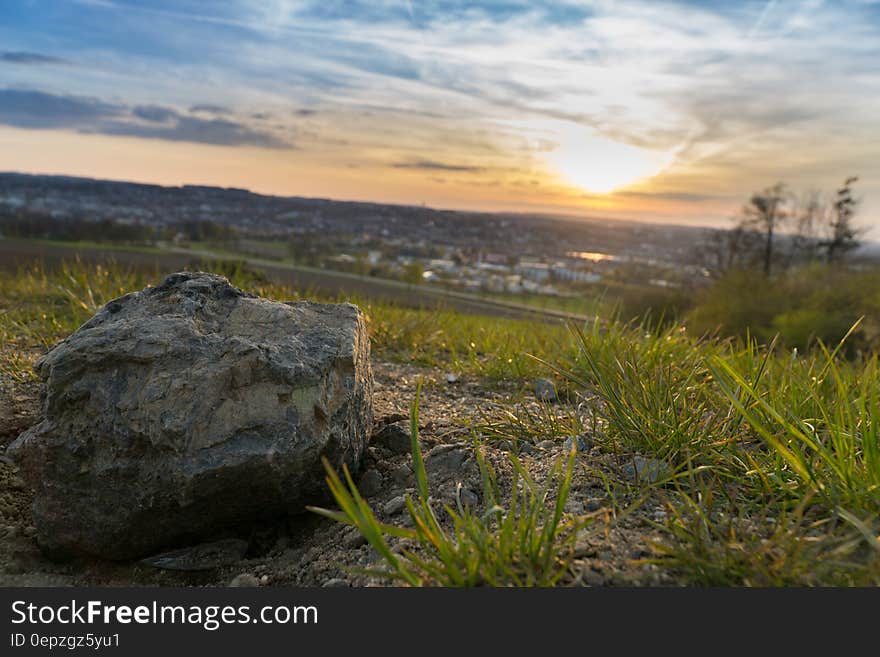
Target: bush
{"points": [[816, 303]]}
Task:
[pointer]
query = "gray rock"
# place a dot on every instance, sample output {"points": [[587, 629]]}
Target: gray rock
{"points": [[468, 498], [546, 445], [394, 506], [581, 443], [189, 407], [446, 460], [451, 378], [245, 580], [545, 390], [370, 483], [403, 476], [205, 556], [336, 582], [354, 539], [646, 470], [394, 438]]}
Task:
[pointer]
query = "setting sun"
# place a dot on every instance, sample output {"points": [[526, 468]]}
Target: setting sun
{"points": [[599, 165]]}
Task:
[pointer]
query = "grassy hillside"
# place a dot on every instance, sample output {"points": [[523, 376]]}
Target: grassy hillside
{"points": [[763, 462]]}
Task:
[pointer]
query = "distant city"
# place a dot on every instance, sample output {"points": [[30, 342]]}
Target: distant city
{"points": [[497, 253]]}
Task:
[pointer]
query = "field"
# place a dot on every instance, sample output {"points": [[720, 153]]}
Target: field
{"points": [[667, 458]]}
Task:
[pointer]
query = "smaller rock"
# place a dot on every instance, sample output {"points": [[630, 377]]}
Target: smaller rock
{"points": [[468, 498], [545, 390], [591, 578], [646, 469], [574, 507], [394, 438], [205, 556], [391, 418], [546, 445], [354, 539], [245, 580], [336, 582], [403, 475], [581, 443], [394, 506], [264, 580], [451, 378], [446, 459], [370, 483]]}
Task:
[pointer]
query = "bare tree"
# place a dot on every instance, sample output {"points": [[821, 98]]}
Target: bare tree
{"points": [[724, 250], [844, 236], [765, 213], [810, 214]]}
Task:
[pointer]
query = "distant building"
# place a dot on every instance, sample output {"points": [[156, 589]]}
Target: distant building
{"points": [[535, 271], [563, 273]]}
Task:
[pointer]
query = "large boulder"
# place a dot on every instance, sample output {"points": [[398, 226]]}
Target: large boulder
{"points": [[191, 407]]}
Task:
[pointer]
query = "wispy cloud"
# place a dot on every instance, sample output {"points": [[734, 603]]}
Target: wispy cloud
{"points": [[431, 165], [31, 58], [23, 108]]}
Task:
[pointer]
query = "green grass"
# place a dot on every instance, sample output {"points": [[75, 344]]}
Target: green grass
{"points": [[774, 453], [40, 306], [525, 541], [786, 436]]}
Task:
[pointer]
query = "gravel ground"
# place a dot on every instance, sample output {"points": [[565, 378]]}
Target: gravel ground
{"points": [[308, 550]]}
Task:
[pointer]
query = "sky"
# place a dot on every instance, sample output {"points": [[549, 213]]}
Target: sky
{"points": [[650, 110]]}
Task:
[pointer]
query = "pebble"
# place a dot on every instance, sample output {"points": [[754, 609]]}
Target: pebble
{"points": [[469, 499], [545, 390], [394, 438], [204, 556], [646, 469], [581, 443], [394, 506], [336, 582], [546, 445], [264, 580], [354, 539], [591, 578], [402, 475], [370, 483], [244, 580], [451, 378]]}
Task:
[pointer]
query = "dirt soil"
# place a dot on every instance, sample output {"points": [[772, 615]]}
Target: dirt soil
{"points": [[308, 550]]}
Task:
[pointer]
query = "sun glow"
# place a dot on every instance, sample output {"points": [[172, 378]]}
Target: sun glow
{"points": [[599, 165]]}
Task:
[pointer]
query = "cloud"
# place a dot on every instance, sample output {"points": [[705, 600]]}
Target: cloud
{"points": [[432, 165], [30, 58], [154, 113], [219, 132], [40, 110], [210, 109], [35, 109]]}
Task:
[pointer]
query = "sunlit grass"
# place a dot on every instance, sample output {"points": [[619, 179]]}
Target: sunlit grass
{"points": [[527, 540], [40, 306]]}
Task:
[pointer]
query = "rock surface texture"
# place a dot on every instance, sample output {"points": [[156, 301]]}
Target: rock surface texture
{"points": [[190, 407]]}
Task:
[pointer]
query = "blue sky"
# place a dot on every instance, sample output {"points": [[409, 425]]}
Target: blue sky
{"points": [[655, 110]]}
